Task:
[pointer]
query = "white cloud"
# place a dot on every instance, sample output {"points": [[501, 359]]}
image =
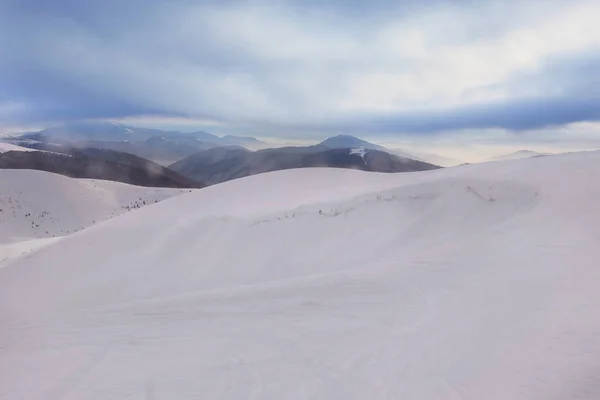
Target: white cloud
{"points": [[421, 61], [426, 70], [286, 69]]}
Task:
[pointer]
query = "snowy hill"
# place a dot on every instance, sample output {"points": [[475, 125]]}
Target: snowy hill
{"points": [[37, 204], [13, 251], [154, 144], [5, 147], [476, 282]]}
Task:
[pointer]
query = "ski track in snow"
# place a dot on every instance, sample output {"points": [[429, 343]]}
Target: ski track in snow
{"points": [[475, 282]]}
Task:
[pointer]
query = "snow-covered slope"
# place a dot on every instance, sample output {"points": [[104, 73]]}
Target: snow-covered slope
{"points": [[38, 204], [13, 251], [475, 282], [4, 147]]}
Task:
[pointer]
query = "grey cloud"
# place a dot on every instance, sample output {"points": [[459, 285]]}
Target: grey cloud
{"points": [[71, 59]]}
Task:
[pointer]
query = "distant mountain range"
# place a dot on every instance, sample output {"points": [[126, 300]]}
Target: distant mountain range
{"points": [[517, 155], [223, 164], [162, 147], [167, 147], [158, 149], [97, 164], [140, 156], [112, 131]]}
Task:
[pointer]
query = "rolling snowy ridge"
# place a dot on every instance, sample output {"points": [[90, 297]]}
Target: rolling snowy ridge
{"points": [[474, 282]]}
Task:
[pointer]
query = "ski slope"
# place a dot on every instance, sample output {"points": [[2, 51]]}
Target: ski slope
{"points": [[38, 204], [474, 282]]}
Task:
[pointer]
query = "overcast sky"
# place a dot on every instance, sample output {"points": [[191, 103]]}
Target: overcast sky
{"points": [[445, 71]]}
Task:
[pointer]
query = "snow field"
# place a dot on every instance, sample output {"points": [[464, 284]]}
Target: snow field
{"points": [[474, 282]]}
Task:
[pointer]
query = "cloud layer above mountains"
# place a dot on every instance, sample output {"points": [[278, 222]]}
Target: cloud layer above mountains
{"points": [[284, 67]]}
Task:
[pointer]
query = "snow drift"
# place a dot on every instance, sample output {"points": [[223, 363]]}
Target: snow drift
{"points": [[476, 282]]}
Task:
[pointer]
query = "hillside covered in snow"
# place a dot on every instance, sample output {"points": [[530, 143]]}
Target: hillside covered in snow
{"points": [[38, 204], [474, 282], [6, 147]]}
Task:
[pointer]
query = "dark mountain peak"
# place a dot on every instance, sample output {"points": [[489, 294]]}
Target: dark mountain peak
{"points": [[212, 155], [223, 164], [348, 141], [345, 137]]}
